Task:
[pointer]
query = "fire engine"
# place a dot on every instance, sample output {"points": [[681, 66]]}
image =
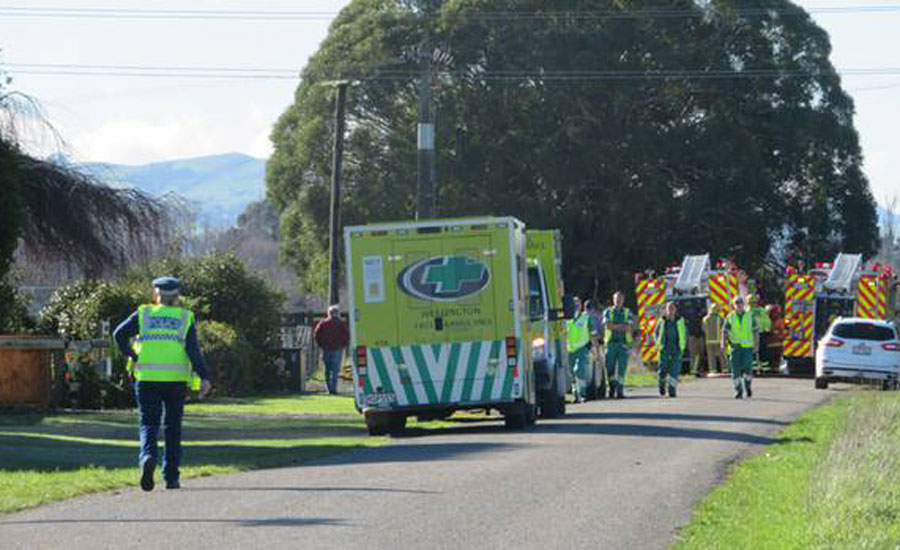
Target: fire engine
{"points": [[694, 285], [816, 297]]}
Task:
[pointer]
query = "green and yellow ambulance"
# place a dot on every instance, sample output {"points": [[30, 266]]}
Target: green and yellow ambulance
{"points": [[440, 320], [546, 311]]}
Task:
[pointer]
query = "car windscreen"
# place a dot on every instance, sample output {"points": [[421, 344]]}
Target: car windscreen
{"points": [[864, 331]]}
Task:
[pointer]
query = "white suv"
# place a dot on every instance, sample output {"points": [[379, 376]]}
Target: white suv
{"points": [[856, 349]]}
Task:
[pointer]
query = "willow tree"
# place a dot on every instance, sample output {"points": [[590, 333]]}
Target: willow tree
{"points": [[60, 214], [644, 133]]}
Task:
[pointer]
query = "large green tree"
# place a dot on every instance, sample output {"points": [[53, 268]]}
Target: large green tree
{"points": [[644, 133]]}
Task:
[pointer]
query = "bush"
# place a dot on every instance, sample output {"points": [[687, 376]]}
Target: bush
{"points": [[229, 358], [14, 317], [238, 316], [75, 311]]}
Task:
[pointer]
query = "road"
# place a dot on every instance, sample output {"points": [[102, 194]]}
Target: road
{"points": [[621, 474]]}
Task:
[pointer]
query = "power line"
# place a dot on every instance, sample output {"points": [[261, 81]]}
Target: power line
{"points": [[258, 73], [662, 12]]}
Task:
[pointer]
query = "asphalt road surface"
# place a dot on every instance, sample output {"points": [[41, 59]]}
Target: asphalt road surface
{"points": [[621, 474]]}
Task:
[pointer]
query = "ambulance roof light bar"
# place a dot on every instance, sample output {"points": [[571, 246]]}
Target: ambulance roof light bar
{"points": [[692, 272], [843, 272]]}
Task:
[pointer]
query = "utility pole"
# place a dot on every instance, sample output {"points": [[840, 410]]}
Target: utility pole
{"points": [[336, 174], [426, 189]]}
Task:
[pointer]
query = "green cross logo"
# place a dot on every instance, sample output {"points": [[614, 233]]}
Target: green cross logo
{"points": [[444, 278], [455, 272]]}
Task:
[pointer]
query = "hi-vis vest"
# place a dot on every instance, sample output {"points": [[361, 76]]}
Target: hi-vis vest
{"points": [[578, 332], [661, 334], [609, 319], [160, 345], [740, 329]]}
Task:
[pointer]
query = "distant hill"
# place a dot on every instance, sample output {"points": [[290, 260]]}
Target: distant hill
{"points": [[220, 187]]}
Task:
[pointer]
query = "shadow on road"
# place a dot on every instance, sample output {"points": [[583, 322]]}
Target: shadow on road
{"points": [[417, 453], [311, 490], [264, 522], [663, 432], [674, 417]]}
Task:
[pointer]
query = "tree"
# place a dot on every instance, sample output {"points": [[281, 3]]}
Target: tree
{"points": [[643, 134], [58, 213]]}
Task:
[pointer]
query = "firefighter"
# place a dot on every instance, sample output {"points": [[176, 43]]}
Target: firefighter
{"points": [[618, 335], [712, 332], [739, 333], [671, 341], [165, 361], [578, 343], [764, 328]]}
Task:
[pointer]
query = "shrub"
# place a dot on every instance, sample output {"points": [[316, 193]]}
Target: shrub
{"points": [[228, 357], [238, 316]]}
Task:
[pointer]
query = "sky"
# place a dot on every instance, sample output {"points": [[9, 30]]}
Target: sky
{"points": [[137, 120]]}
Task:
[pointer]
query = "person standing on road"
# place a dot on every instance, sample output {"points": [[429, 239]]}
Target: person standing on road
{"points": [[671, 341], [739, 333], [764, 328], [712, 332], [596, 348], [619, 335], [332, 335], [694, 323], [164, 360], [578, 344]]}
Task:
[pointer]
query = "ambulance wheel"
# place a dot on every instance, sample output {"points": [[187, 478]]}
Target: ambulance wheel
{"points": [[821, 383], [396, 423], [519, 416], [376, 423], [530, 415]]}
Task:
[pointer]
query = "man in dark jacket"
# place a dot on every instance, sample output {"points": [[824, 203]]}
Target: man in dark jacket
{"points": [[332, 336]]}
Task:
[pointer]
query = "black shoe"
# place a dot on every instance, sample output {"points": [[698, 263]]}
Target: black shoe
{"points": [[147, 470], [662, 390], [738, 395], [173, 485], [672, 392], [749, 392]]}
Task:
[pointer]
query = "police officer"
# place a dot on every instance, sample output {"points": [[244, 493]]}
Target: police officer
{"points": [[619, 335], [578, 344], [671, 341], [161, 359], [739, 333]]}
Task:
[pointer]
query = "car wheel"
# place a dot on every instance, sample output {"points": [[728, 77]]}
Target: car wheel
{"points": [[821, 383]]}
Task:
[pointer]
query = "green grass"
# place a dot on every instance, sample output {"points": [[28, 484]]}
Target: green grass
{"points": [[44, 458], [48, 458], [278, 405], [831, 481]]}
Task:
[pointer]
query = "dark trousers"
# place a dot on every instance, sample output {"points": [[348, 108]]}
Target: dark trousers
{"points": [[161, 401]]}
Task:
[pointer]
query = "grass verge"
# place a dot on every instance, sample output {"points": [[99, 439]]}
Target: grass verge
{"points": [[54, 457], [832, 481]]}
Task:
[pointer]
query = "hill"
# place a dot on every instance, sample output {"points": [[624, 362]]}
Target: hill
{"points": [[218, 187]]}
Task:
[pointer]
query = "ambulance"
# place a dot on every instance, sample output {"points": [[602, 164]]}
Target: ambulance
{"points": [[445, 315]]}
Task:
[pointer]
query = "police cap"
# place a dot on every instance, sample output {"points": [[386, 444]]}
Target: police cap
{"points": [[166, 284]]}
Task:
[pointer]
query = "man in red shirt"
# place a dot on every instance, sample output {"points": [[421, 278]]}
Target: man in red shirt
{"points": [[332, 336]]}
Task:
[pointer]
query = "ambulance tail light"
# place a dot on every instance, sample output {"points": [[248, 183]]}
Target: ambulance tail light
{"points": [[362, 365], [512, 355], [834, 343], [891, 347]]}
